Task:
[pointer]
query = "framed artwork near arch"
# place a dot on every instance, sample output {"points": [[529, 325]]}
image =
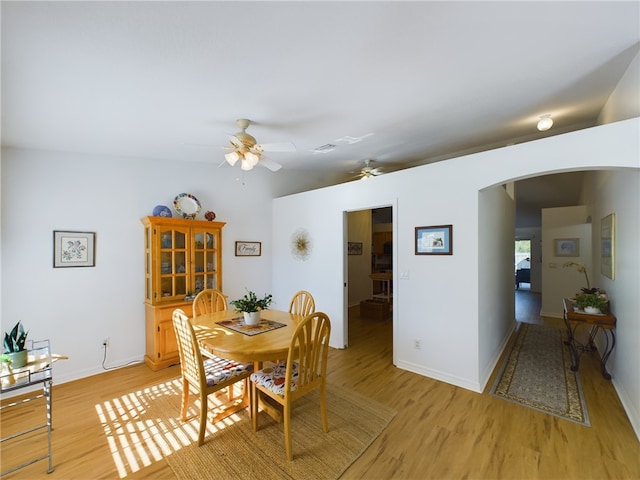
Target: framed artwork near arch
{"points": [[608, 245]]}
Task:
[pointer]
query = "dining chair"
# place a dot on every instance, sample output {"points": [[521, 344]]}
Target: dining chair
{"points": [[208, 301], [205, 376], [304, 370], [302, 303]]}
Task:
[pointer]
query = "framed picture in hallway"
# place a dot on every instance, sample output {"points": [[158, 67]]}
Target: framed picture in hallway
{"points": [[434, 240], [607, 245], [354, 248], [566, 247]]}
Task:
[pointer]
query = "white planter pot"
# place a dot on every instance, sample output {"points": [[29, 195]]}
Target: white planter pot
{"points": [[591, 310], [251, 318], [18, 359]]}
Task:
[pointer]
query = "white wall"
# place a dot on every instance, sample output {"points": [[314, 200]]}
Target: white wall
{"points": [[76, 308], [496, 301], [618, 192], [624, 101], [438, 301], [560, 282]]}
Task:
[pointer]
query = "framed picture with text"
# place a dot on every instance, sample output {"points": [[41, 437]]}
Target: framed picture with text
{"points": [[248, 249]]}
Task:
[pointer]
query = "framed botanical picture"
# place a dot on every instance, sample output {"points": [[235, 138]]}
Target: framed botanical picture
{"points": [[354, 248], [434, 240], [248, 249], [607, 245], [74, 249], [566, 247]]}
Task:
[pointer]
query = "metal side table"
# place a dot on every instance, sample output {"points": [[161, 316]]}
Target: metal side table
{"points": [[37, 372]]}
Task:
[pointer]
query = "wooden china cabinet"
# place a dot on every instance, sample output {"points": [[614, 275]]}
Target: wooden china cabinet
{"points": [[181, 258]]}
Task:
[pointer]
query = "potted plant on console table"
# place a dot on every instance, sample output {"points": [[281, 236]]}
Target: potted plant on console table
{"points": [[250, 305], [14, 349], [592, 303]]}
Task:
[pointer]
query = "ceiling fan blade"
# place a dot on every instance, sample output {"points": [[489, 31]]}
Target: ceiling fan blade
{"points": [[270, 164], [276, 147]]}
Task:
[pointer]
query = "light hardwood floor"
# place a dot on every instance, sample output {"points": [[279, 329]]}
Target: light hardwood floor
{"points": [[440, 431]]}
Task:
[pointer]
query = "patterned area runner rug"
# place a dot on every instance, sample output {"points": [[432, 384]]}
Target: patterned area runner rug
{"points": [[233, 450], [537, 374]]}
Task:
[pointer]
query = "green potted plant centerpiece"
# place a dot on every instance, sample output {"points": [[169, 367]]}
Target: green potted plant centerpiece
{"points": [[250, 305], [14, 346], [592, 302]]}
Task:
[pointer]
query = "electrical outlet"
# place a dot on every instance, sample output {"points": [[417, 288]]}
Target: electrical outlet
{"points": [[417, 344], [105, 342]]}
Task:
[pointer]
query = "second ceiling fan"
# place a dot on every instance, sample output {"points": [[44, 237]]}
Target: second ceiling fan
{"points": [[250, 153]]}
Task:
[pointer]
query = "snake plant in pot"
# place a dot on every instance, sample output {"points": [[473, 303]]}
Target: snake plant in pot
{"points": [[14, 346], [251, 305]]}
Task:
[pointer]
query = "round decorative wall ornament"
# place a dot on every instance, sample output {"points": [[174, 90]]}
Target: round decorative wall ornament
{"points": [[301, 244]]}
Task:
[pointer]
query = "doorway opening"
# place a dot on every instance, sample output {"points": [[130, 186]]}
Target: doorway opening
{"points": [[523, 264], [369, 266]]}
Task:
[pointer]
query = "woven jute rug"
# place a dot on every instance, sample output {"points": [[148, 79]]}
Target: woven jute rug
{"points": [[537, 374], [233, 450]]}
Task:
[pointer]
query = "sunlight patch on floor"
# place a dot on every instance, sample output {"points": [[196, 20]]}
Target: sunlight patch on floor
{"points": [[136, 441]]}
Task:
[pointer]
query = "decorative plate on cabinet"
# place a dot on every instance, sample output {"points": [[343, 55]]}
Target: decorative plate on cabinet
{"points": [[161, 211], [186, 205]]}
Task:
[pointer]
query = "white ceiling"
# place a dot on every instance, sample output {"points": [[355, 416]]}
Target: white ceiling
{"points": [[402, 83]]}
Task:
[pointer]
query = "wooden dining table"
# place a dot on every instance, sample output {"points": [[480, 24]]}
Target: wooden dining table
{"points": [[223, 341], [214, 333]]}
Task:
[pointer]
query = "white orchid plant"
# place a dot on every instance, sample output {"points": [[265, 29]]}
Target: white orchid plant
{"points": [[582, 269]]}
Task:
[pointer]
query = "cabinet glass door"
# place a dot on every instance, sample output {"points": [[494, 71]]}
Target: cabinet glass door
{"points": [[204, 261], [173, 263]]}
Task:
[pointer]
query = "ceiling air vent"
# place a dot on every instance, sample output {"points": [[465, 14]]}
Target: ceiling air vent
{"points": [[326, 148]]}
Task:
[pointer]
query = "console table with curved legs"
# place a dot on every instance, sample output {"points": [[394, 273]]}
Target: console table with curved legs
{"points": [[605, 322]]}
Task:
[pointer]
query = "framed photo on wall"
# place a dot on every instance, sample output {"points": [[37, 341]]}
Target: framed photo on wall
{"points": [[248, 249], [74, 249], [434, 240], [566, 247], [607, 245], [354, 248]]}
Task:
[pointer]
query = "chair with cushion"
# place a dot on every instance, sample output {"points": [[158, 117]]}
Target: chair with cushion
{"points": [[205, 376], [304, 370], [302, 303], [209, 301]]}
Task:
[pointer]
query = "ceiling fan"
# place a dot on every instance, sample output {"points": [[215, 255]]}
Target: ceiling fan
{"points": [[250, 153], [368, 171]]}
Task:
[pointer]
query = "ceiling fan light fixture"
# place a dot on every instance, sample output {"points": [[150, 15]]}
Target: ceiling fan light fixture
{"points": [[232, 158], [545, 122], [251, 158], [245, 165]]}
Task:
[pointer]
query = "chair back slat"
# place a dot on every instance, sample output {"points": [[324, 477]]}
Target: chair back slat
{"points": [[208, 301], [190, 357], [310, 349], [302, 303]]}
